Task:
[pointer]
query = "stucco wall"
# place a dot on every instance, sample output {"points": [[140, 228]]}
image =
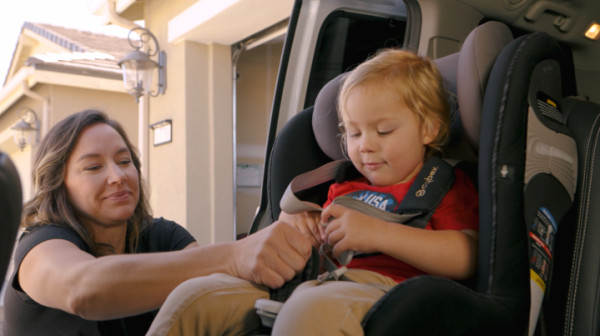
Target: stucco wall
{"points": [[191, 179]]}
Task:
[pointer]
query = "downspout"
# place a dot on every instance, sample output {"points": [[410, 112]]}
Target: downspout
{"points": [[45, 105], [143, 106]]}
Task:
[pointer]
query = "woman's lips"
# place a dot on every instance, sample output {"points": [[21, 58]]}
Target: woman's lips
{"points": [[119, 195]]}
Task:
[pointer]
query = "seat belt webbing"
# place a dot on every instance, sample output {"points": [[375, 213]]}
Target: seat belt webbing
{"points": [[429, 188]]}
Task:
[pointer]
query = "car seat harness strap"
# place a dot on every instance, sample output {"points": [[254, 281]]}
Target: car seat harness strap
{"points": [[426, 192], [428, 189]]}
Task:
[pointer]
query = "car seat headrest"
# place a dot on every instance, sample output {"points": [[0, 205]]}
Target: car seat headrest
{"points": [[325, 119], [447, 68], [475, 61], [465, 73]]}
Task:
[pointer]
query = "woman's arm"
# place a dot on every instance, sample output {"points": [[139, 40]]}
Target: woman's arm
{"points": [[57, 274], [449, 253]]}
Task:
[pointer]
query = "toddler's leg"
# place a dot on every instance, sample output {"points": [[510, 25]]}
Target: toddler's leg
{"points": [[218, 304], [332, 308]]}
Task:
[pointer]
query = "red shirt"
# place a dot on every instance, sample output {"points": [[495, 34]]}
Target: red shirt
{"points": [[458, 210]]}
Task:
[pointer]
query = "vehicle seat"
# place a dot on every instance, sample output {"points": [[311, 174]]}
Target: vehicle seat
{"points": [[10, 210], [572, 306]]}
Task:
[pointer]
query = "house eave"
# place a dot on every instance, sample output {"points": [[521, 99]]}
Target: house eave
{"points": [[211, 21], [12, 91]]}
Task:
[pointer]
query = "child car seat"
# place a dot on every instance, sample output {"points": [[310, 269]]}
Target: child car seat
{"points": [[527, 165], [10, 210], [311, 138], [498, 303]]}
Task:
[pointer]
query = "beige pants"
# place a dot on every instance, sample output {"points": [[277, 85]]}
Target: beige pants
{"points": [[223, 305]]}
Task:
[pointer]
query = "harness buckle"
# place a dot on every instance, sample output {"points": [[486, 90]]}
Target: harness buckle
{"points": [[331, 275]]}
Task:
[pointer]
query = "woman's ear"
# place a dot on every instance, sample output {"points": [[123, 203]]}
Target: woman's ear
{"points": [[430, 131]]}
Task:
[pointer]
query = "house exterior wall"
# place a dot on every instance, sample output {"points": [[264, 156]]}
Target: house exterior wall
{"points": [[191, 178], [64, 100]]}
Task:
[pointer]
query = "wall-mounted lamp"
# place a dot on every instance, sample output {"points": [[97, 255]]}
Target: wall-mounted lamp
{"points": [[27, 129], [138, 65]]}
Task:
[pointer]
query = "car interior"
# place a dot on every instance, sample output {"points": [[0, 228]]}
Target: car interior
{"points": [[525, 116]]}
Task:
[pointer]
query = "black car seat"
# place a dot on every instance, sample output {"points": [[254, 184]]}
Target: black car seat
{"points": [[10, 210], [527, 172], [498, 301]]}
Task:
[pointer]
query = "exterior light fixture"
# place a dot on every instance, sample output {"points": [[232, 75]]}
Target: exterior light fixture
{"points": [[27, 129], [138, 65]]}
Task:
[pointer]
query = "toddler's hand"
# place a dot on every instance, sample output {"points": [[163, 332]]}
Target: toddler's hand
{"points": [[348, 230]]}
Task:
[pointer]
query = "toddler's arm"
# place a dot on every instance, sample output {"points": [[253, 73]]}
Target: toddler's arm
{"points": [[448, 253]]}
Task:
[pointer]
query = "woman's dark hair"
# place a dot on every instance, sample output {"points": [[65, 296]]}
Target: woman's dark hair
{"points": [[50, 204]]}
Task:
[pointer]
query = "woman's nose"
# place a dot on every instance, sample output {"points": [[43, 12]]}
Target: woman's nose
{"points": [[116, 175]]}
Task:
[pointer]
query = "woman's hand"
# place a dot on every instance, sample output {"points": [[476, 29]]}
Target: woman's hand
{"points": [[272, 255], [309, 223]]}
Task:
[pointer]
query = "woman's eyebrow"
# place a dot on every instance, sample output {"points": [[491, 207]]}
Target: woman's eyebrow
{"points": [[95, 155], [123, 150], [88, 156]]}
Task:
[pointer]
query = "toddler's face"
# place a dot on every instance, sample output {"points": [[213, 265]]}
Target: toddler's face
{"points": [[385, 140]]}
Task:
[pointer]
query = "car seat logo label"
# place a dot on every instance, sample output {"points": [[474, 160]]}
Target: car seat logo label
{"points": [[430, 178], [383, 201]]}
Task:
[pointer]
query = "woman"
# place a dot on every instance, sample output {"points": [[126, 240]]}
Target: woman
{"points": [[82, 265]]}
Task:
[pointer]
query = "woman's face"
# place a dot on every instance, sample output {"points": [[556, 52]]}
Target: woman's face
{"points": [[101, 181]]}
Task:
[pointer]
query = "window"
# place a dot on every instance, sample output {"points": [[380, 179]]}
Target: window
{"points": [[347, 39]]}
